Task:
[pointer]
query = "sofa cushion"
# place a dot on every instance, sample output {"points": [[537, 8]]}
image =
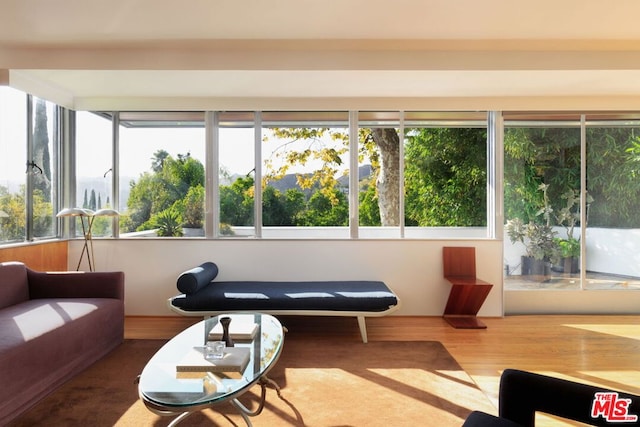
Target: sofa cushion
{"points": [[14, 288], [195, 279]]}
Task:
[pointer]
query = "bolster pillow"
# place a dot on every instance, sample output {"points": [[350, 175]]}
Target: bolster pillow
{"points": [[192, 280]]}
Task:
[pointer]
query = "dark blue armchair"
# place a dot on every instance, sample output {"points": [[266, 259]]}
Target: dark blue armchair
{"points": [[522, 394]]}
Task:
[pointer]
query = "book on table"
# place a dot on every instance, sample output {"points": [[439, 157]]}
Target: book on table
{"points": [[238, 331], [235, 359]]}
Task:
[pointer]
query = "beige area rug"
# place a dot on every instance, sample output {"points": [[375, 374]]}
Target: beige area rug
{"points": [[324, 384]]}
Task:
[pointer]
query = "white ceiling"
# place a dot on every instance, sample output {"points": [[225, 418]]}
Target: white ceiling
{"points": [[165, 54]]}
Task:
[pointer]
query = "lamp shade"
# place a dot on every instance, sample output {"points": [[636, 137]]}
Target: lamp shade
{"points": [[106, 212], [74, 212]]}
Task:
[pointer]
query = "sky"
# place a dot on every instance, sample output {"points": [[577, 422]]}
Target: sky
{"points": [[13, 156], [137, 146]]}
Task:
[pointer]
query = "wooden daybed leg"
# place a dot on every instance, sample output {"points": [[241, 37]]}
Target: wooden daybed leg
{"points": [[363, 328]]}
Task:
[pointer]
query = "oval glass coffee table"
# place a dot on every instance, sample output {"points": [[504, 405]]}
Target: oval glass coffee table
{"points": [[170, 385]]}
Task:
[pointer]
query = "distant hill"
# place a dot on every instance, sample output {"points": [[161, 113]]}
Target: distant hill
{"points": [[291, 180], [100, 185]]}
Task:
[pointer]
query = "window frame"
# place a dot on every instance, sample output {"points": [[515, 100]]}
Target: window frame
{"points": [[214, 120]]}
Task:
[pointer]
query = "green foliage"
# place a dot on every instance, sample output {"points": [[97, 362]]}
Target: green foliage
{"points": [[312, 146], [192, 207], [236, 202], [552, 155], [569, 214], [13, 225], [445, 173], [168, 223], [42, 215], [613, 169], [145, 198], [535, 156], [445, 177], [281, 209], [538, 238], [326, 147], [101, 226], [537, 235], [93, 204], [226, 230], [41, 155], [292, 208], [568, 248], [157, 162], [323, 210], [171, 184], [368, 211]]}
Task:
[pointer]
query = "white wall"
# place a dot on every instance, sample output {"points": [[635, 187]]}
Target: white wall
{"points": [[615, 251], [412, 268]]}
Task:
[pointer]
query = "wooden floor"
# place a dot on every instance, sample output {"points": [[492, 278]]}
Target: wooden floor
{"points": [[602, 350]]}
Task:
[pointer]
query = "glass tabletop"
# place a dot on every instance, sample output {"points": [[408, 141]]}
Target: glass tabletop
{"points": [[163, 384]]}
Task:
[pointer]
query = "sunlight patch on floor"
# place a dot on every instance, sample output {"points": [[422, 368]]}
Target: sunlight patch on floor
{"points": [[625, 331], [620, 380]]}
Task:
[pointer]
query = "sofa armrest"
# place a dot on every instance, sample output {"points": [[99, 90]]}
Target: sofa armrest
{"points": [[76, 284]]}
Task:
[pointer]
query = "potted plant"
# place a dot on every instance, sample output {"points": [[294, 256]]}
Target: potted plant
{"points": [[537, 238], [568, 254]]}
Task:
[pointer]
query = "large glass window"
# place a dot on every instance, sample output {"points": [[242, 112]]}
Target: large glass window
{"points": [[94, 170], [445, 174], [542, 200], [558, 234], [433, 179], [42, 169], [13, 160], [280, 173], [379, 171], [305, 173], [162, 157], [236, 154], [612, 237]]}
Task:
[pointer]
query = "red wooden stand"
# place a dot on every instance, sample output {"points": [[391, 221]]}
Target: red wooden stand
{"points": [[468, 293]]}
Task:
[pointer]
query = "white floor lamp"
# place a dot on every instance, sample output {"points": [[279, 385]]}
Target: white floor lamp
{"points": [[86, 230], [90, 215]]}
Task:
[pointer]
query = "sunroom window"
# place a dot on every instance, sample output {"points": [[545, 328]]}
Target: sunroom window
{"points": [[570, 197], [161, 158], [13, 143]]}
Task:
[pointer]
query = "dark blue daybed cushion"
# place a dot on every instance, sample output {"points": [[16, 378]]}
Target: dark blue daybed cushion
{"points": [[193, 280], [364, 295]]}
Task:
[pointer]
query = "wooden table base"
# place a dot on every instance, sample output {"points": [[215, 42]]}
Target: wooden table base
{"points": [[464, 322]]}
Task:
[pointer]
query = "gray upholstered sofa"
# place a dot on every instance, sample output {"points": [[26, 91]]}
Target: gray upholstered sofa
{"points": [[52, 326]]}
